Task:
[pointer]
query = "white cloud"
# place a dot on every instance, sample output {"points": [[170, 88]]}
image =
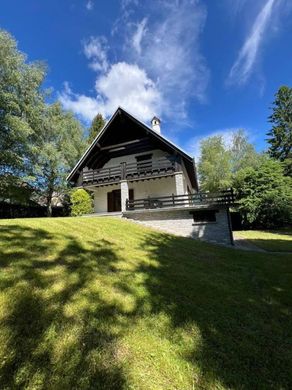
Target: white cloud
{"points": [[123, 85], [84, 106], [89, 5], [164, 71], [95, 49], [243, 66], [170, 52], [138, 35]]}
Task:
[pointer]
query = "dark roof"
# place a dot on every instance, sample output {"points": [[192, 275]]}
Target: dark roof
{"points": [[111, 123]]}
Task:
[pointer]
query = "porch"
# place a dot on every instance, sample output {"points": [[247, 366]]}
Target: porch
{"points": [[222, 198]]}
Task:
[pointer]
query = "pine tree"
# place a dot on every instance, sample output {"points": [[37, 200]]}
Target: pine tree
{"points": [[95, 128], [280, 136]]}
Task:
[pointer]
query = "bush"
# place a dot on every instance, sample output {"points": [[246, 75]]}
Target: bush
{"points": [[81, 202], [264, 195]]}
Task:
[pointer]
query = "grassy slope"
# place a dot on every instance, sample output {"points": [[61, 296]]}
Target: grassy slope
{"points": [[270, 240], [106, 304]]}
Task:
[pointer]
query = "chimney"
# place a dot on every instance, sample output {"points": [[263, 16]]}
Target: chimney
{"points": [[155, 122]]}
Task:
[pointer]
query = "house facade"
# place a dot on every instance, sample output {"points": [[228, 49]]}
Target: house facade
{"points": [[132, 169]]}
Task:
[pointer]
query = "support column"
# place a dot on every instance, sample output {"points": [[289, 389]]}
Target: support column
{"points": [[124, 194], [179, 183]]}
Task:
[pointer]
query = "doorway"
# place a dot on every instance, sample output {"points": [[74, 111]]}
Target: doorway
{"points": [[114, 200]]}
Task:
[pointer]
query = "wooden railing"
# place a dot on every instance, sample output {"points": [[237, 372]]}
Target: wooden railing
{"points": [[135, 170], [200, 198]]}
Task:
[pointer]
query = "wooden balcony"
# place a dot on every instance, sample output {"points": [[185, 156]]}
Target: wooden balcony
{"points": [[130, 171], [201, 198]]}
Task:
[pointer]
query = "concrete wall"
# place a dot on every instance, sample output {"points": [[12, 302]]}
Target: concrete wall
{"points": [[180, 222]]}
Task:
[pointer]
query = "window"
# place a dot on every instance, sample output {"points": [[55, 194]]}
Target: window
{"points": [[203, 216], [144, 157]]}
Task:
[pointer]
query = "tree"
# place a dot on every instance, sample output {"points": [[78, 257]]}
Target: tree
{"points": [[58, 147], [242, 152], [214, 165], [220, 162], [81, 202], [95, 128], [280, 136], [264, 194], [21, 99]]}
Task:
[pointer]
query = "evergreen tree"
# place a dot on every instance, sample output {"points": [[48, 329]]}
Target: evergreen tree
{"points": [[280, 136], [95, 128]]}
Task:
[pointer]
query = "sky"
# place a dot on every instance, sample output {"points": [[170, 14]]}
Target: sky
{"points": [[204, 67]]}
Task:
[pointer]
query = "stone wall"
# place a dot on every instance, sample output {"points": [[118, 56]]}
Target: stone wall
{"points": [[180, 222]]}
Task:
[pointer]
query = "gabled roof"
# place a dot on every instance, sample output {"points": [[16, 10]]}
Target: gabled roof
{"points": [[149, 130]]}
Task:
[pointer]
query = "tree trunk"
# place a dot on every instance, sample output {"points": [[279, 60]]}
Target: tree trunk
{"points": [[49, 202]]}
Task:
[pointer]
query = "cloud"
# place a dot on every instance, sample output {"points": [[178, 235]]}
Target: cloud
{"points": [[95, 50], [169, 50], [84, 106], [138, 35], [243, 66], [89, 5], [160, 76], [123, 85]]}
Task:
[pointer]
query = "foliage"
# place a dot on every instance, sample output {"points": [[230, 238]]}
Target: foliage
{"points": [[89, 303], [81, 202], [59, 145], [20, 100], [280, 136], [214, 165], [219, 162], [95, 128], [242, 152], [264, 194]]}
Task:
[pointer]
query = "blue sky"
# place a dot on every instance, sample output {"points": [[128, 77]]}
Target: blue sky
{"points": [[203, 66]]}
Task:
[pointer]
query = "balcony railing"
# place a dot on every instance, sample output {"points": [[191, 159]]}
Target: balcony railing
{"points": [[200, 198], [135, 170]]}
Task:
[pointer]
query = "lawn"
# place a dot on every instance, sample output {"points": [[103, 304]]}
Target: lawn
{"points": [[101, 303], [270, 240]]}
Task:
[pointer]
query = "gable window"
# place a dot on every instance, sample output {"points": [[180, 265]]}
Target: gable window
{"points": [[144, 157], [204, 216]]}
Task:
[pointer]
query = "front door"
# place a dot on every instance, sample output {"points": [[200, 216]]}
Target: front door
{"points": [[114, 201]]}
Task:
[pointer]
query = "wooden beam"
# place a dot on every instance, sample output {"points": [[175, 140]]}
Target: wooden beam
{"points": [[123, 144]]}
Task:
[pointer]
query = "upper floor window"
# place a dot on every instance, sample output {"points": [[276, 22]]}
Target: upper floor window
{"points": [[144, 157]]}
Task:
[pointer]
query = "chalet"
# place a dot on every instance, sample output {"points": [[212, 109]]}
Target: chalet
{"points": [[133, 170]]}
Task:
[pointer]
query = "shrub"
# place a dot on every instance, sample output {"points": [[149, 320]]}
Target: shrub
{"points": [[81, 202]]}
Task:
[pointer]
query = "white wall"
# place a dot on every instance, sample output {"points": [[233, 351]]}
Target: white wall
{"points": [[154, 187], [142, 189], [100, 197]]}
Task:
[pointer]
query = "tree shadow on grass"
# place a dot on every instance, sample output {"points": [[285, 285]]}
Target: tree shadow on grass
{"points": [[242, 308], [56, 330]]}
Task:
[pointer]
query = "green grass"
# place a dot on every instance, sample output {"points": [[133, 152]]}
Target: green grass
{"points": [[100, 303], [270, 240]]}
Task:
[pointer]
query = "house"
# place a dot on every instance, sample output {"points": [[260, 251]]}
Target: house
{"points": [[132, 169]]}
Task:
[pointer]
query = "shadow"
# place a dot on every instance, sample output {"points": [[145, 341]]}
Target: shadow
{"points": [[241, 309], [67, 301], [270, 240], [56, 329]]}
